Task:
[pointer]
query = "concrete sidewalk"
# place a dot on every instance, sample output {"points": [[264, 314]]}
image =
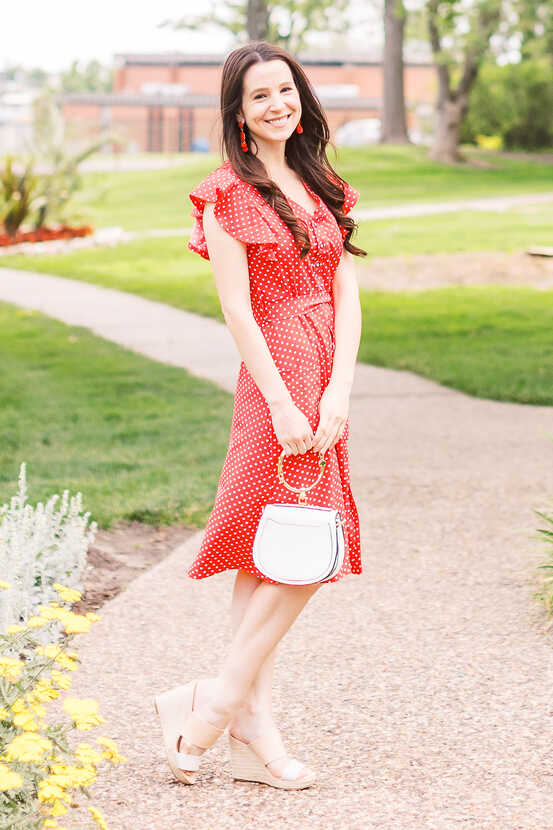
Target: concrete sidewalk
{"points": [[420, 690]]}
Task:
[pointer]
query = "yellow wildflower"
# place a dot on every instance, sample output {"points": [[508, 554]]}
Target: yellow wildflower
{"points": [[49, 650], [16, 629], [75, 623], [111, 752], [67, 594], [23, 716], [67, 660], [9, 780], [81, 776], [98, 817], [4, 714], [58, 808], [90, 615], [83, 711], [27, 747], [60, 679], [36, 622], [36, 708], [44, 690], [49, 612], [51, 824], [74, 776], [88, 755], [26, 721], [10, 668], [51, 790], [5, 584]]}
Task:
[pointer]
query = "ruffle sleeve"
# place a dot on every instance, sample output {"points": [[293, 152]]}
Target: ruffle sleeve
{"points": [[235, 210], [351, 197]]}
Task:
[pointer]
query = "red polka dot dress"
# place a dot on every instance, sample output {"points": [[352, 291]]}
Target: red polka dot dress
{"points": [[292, 303]]}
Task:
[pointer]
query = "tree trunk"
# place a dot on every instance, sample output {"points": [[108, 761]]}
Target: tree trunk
{"points": [[257, 20], [394, 126], [449, 116]]}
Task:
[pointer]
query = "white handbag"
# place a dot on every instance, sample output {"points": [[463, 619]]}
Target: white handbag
{"points": [[296, 544]]}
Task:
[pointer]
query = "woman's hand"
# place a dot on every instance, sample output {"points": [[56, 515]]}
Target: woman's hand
{"points": [[292, 428], [333, 413]]}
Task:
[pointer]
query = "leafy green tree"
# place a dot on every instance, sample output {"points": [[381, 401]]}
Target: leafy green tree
{"points": [[514, 101], [94, 77], [460, 40], [535, 25], [394, 122], [286, 22]]}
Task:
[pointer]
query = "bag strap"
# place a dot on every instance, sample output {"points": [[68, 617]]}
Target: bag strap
{"points": [[302, 498]]}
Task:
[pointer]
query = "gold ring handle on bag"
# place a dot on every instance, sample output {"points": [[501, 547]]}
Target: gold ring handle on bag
{"points": [[302, 498]]}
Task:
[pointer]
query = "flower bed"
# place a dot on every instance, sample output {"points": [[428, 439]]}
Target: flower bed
{"points": [[45, 234], [42, 773]]}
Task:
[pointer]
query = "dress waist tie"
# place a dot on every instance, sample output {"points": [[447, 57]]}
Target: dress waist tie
{"points": [[292, 307]]}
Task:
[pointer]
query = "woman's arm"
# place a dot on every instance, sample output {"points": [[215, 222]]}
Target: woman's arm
{"points": [[334, 404], [229, 260], [347, 321]]}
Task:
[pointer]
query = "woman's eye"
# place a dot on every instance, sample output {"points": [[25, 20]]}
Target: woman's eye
{"points": [[262, 95]]}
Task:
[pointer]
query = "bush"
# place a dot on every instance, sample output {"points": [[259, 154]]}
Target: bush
{"points": [[490, 142], [40, 547], [546, 591], [515, 102]]}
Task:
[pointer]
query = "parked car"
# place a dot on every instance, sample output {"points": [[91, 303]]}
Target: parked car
{"points": [[367, 131], [358, 132]]}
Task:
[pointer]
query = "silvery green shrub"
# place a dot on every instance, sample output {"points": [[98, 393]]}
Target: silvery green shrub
{"points": [[40, 546]]}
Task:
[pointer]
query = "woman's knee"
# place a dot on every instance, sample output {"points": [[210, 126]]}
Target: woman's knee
{"points": [[303, 591], [246, 578]]}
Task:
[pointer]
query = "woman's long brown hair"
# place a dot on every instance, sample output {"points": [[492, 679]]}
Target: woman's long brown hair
{"points": [[305, 153]]}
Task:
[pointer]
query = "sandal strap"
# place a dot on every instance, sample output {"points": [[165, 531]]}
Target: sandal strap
{"points": [[190, 763], [292, 770], [198, 732], [269, 747]]}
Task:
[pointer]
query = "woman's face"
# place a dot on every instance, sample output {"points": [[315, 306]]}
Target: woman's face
{"points": [[271, 104]]}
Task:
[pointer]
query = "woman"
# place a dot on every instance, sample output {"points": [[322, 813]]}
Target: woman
{"points": [[272, 221]]}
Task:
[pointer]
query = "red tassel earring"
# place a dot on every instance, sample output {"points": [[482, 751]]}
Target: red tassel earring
{"points": [[299, 128], [243, 144]]}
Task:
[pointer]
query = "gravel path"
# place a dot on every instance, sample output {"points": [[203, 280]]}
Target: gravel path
{"points": [[418, 690]]}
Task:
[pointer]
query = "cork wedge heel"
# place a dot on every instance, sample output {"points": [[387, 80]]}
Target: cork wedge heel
{"points": [[249, 762], [180, 725]]}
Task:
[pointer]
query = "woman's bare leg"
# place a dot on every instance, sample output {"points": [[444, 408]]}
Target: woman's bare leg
{"points": [[256, 713], [270, 611]]}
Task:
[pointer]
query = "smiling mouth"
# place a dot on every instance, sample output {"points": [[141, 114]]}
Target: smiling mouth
{"points": [[278, 122]]}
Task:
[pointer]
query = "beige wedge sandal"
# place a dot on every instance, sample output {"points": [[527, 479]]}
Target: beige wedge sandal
{"points": [[249, 762], [180, 725]]}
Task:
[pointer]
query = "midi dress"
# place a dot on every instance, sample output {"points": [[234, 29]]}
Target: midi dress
{"points": [[293, 305]]}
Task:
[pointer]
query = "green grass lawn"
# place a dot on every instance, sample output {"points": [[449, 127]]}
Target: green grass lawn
{"points": [[487, 340], [139, 200], [144, 440], [490, 341], [450, 233], [136, 264], [140, 439]]}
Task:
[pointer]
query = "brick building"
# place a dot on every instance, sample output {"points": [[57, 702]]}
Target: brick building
{"points": [[170, 102]]}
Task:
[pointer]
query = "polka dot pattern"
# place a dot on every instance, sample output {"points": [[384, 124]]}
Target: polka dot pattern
{"points": [[293, 305]]}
